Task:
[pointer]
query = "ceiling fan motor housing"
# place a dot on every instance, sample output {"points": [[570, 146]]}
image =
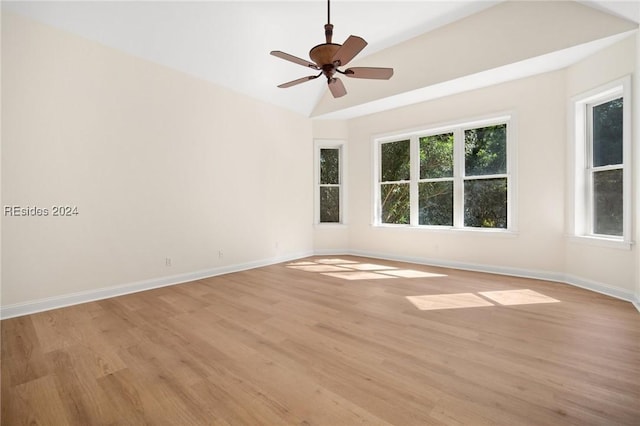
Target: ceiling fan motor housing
{"points": [[322, 55]]}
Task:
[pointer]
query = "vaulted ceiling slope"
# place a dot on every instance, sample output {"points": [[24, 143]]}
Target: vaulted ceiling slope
{"points": [[436, 47], [508, 41]]}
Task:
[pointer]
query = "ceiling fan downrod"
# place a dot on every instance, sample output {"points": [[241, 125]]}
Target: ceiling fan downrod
{"points": [[328, 28]]}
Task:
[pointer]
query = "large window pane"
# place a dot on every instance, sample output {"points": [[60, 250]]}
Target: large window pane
{"points": [[329, 204], [395, 203], [607, 133], [485, 150], [395, 159], [485, 203], [435, 203], [329, 166], [436, 156], [607, 202]]}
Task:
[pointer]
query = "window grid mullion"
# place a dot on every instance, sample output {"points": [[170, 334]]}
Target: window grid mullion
{"points": [[458, 178], [414, 150], [608, 167], [486, 177], [443, 179]]}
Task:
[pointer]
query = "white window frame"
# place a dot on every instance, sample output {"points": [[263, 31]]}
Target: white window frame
{"points": [[341, 146], [458, 128], [580, 152]]}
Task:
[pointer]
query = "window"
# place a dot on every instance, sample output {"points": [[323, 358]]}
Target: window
{"points": [[435, 187], [485, 181], [602, 158], [455, 177], [329, 182], [394, 188]]}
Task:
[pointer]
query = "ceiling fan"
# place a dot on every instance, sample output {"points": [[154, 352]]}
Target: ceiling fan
{"points": [[327, 57]]}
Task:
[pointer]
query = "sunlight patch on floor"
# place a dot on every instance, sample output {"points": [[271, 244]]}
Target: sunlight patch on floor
{"points": [[410, 273], [303, 263], [448, 301], [358, 275], [354, 270], [370, 267], [484, 298], [517, 297], [318, 268], [335, 261]]}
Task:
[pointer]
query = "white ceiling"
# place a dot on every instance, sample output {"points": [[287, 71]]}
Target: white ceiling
{"points": [[228, 42]]}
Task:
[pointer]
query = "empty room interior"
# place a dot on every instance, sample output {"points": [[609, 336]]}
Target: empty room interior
{"points": [[320, 213]]}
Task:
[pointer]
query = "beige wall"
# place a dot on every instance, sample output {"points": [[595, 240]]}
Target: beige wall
{"points": [[591, 263], [159, 164], [537, 104], [541, 246]]}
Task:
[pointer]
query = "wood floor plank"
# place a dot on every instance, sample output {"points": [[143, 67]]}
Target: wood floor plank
{"points": [[329, 341], [36, 402], [22, 351]]}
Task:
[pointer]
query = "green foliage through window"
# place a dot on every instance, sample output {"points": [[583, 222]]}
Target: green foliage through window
{"points": [[329, 204], [485, 150], [436, 156], [329, 185], [607, 133], [395, 203], [329, 166], [607, 172], [480, 180], [435, 203], [485, 203], [395, 167], [396, 164]]}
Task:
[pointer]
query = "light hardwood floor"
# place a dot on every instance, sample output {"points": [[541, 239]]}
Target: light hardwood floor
{"points": [[329, 341]]}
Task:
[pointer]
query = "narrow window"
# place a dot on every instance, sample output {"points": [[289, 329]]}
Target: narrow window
{"points": [[329, 182], [329, 185], [601, 154]]}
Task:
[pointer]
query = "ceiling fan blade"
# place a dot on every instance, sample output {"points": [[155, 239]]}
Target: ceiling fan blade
{"points": [[298, 81], [369, 72], [294, 59], [337, 88], [351, 47]]}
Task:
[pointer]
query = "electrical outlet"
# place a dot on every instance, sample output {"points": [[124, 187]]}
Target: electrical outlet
{"points": [[167, 261], [220, 254]]}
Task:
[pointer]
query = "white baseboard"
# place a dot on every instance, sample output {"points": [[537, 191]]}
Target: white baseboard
{"points": [[515, 272], [600, 288], [46, 304], [56, 302]]}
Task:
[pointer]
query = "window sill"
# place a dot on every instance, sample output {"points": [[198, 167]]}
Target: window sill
{"points": [[505, 233], [615, 243]]}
